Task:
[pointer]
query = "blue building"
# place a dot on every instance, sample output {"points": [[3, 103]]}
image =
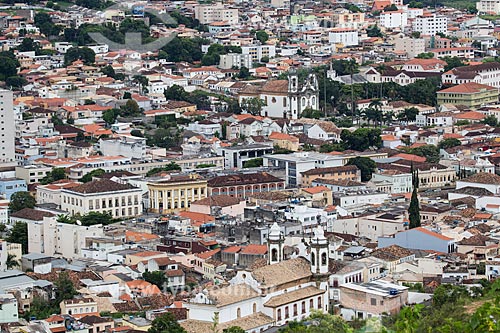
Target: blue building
{"points": [[420, 239], [9, 186]]}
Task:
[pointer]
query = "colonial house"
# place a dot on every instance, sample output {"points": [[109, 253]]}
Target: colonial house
{"points": [[284, 98]]}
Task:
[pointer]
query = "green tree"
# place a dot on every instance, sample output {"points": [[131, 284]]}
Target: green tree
{"points": [[142, 81], [414, 210], [323, 323], [130, 109], [54, 175], [353, 8], [262, 36], [93, 218], [19, 234], [391, 8], [490, 120], [172, 166], [453, 62], [252, 105], [362, 138], [374, 31], [366, 165], [94, 173], [110, 115], [430, 152], [20, 200], [64, 287], [408, 114], [8, 68], [86, 55], [310, 113], [421, 91], [253, 163], [27, 45], [15, 82], [12, 261], [244, 73], [449, 143], [40, 309], [176, 93], [166, 324], [157, 278], [425, 55]]}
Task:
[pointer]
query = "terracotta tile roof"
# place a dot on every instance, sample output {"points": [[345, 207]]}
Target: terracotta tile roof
{"points": [[243, 179], [132, 236], [254, 249], [283, 136], [207, 254], [411, 157], [232, 249], [469, 115], [483, 178], [391, 253], [218, 200], [316, 189], [147, 253], [197, 218], [334, 170], [433, 234], [467, 88], [31, 214], [101, 186], [283, 272]]}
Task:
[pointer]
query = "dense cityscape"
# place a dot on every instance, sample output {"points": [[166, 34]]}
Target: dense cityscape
{"points": [[282, 166]]}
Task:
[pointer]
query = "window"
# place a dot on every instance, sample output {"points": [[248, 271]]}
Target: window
{"points": [[278, 315], [238, 313], [295, 310], [287, 314], [373, 301], [313, 258], [303, 306]]}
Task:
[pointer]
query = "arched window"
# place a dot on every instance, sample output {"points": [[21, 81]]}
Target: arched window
{"points": [[303, 306], [313, 101], [303, 101], [319, 302], [254, 308], [295, 310], [287, 314], [238, 313], [274, 255], [278, 315], [323, 259], [313, 259]]}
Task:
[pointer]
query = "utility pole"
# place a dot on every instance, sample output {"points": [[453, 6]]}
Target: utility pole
{"points": [[324, 92]]}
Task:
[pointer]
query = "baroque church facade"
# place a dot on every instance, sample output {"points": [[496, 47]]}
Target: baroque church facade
{"points": [[285, 98], [273, 295]]}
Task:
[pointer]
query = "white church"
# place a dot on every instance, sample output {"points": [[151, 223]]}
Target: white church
{"points": [[280, 292], [285, 98]]}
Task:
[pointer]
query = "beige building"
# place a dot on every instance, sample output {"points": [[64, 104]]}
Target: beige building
{"points": [[210, 13], [346, 172], [79, 306], [470, 94], [103, 195], [32, 173], [59, 239], [176, 192]]}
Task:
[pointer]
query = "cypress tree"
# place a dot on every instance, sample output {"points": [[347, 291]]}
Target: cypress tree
{"points": [[414, 209]]}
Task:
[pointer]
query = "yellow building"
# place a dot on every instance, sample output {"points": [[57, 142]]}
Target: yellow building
{"points": [[176, 192], [285, 141], [470, 94]]}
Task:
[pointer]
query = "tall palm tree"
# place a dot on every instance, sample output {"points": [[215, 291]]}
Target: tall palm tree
{"points": [[12, 261], [351, 67], [376, 105]]}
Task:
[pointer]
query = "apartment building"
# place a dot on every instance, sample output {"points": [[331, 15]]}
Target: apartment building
{"points": [[7, 128], [65, 240], [103, 195], [470, 94], [488, 7], [343, 18], [344, 36], [257, 52], [230, 60], [210, 13], [176, 192], [412, 46], [394, 19], [127, 146], [430, 24]]}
